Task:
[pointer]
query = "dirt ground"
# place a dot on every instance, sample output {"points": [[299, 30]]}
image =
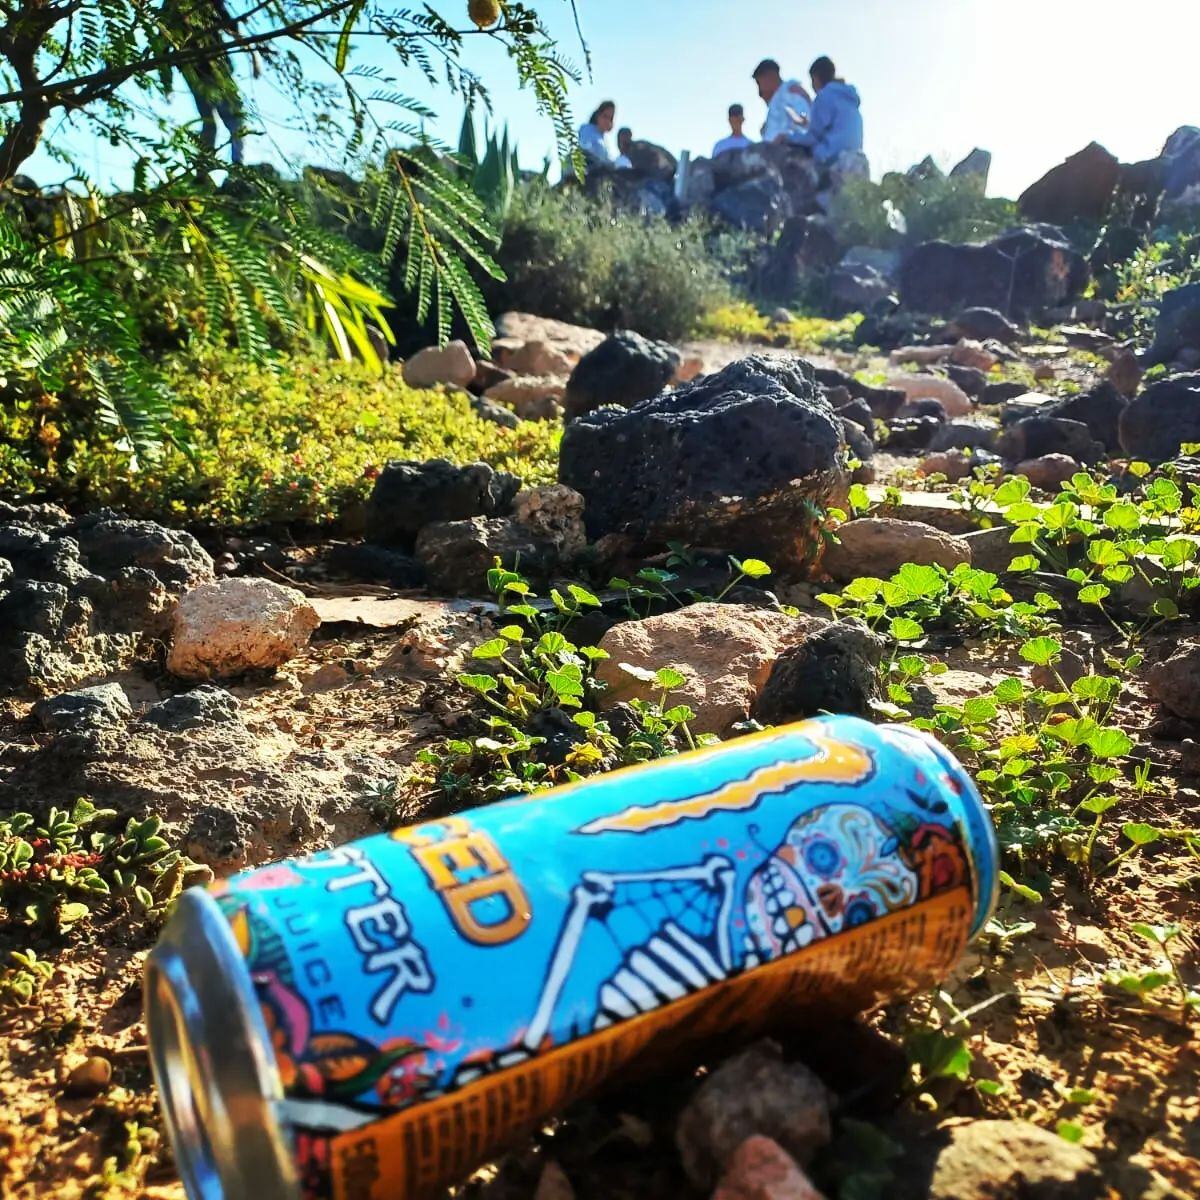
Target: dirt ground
{"points": [[305, 766], [296, 772]]}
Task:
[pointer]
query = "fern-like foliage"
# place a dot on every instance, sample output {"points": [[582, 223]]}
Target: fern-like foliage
{"points": [[81, 306], [61, 327], [435, 220], [92, 287]]}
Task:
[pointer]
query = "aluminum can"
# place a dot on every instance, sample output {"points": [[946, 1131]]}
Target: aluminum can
{"points": [[376, 1020]]}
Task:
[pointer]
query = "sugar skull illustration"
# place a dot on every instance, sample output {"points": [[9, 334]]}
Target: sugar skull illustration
{"points": [[836, 868]]}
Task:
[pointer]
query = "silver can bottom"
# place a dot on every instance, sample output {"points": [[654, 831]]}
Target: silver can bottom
{"points": [[213, 1063]]}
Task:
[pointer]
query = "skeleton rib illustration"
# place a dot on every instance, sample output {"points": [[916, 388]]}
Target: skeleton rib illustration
{"points": [[684, 943]]}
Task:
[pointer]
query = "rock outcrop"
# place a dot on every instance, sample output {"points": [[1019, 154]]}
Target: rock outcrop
{"points": [[1023, 271], [1079, 189], [80, 598]]}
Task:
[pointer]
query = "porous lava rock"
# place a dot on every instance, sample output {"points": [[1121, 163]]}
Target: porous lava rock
{"points": [[408, 495], [1023, 271], [835, 670], [1035, 437], [104, 704], [79, 599], [1160, 419], [738, 460], [1100, 409], [203, 705], [623, 370], [1178, 324], [457, 555]]}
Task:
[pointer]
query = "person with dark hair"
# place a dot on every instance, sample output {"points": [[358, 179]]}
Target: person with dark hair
{"points": [[736, 140], [835, 125], [592, 131], [787, 102], [624, 140]]}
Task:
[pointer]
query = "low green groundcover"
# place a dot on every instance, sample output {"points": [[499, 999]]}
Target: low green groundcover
{"points": [[294, 442]]}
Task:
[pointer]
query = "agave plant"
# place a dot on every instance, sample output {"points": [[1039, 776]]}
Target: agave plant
{"points": [[493, 175]]}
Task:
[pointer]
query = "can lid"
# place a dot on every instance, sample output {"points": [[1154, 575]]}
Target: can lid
{"points": [[212, 1061]]}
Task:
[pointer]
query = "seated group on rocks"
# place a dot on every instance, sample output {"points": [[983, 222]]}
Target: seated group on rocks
{"points": [[827, 122]]}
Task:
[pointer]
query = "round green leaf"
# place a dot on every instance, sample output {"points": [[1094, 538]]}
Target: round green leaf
{"points": [[551, 643], [1123, 516], [1041, 651], [1110, 742], [755, 568], [479, 683], [1140, 834], [1094, 593], [494, 648], [905, 629], [669, 678]]}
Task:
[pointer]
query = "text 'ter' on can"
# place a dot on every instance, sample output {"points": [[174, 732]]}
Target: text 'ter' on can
{"points": [[374, 1021]]}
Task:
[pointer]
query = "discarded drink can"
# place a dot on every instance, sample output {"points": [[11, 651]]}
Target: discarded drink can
{"points": [[374, 1021]]}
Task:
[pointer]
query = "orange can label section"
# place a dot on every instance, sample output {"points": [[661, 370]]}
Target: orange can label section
{"points": [[410, 1155]]}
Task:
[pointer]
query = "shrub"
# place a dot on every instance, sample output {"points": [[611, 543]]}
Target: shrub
{"points": [[737, 322], [954, 210], [742, 322], [1154, 269], [296, 440], [583, 260]]}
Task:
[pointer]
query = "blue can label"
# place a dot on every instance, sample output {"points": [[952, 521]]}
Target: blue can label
{"points": [[431, 989]]}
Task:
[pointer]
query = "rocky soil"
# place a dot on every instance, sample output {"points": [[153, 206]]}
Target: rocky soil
{"points": [[268, 700]]}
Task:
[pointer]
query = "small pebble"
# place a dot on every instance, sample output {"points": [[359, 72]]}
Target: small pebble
{"points": [[90, 1078]]}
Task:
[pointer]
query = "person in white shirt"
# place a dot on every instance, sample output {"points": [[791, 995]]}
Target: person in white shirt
{"points": [[737, 140], [624, 140], [788, 102], [592, 131]]}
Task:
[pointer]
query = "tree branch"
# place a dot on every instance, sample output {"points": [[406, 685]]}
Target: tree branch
{"points": [[100, 82], [22, 136], [66, 54]]}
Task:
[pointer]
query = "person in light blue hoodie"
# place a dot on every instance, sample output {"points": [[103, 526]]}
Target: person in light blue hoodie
{"points": [[835, 124]]}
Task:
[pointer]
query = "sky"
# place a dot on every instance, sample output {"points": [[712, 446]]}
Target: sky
{"points": [[1030, 80]]}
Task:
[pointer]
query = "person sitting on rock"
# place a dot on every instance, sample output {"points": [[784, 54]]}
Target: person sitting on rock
{"points": [[788, 103], [835, 125], [592, 131], [624, 140], [737, 140]]}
